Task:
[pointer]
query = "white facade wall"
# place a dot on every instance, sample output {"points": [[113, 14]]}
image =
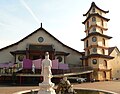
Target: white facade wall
{"points": [[72, 58], [6, 56]]}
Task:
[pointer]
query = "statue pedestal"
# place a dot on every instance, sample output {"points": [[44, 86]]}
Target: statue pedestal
{"points": [[46, 88]]}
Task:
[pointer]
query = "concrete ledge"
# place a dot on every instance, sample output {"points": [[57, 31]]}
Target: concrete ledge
{"points": [[20, 92], [106, 91], [25, 91]]}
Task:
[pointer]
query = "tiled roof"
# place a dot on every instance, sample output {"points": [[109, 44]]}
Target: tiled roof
{"points": [[97, 34], [110, 50], [95, 14], [94, 5]]}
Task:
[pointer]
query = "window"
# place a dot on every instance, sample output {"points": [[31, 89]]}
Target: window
{"points": [[93, 10], [94, 29], [59, 58], [94, 39], [94, 50], [87, 43], [87, 24], [102, 22], [20, 57], [88, 52], [103, 41], [105, 64], [40, 39], [101, 31], [88, 32], [103, 51], [93, 19], [94, 61]]}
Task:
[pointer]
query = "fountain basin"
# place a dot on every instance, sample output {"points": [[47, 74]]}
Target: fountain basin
{"points": [[79, 91]]}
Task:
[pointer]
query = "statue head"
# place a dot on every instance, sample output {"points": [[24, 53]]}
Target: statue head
{"points": [[65, 78], [47, 55]]}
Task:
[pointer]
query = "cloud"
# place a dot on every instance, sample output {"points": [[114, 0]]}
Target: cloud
{"points": [[30, 11]]}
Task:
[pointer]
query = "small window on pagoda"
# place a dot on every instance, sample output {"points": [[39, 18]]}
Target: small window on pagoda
{"points": [[88, 32], [101, 31], [103, 41], [88, 52], [105, 64], [87, 24], [93, 19], [94, 61], [94, 50], [102, 22], [103, 51], [94, 39], [87, 43], [94, 29], [93, 10]]}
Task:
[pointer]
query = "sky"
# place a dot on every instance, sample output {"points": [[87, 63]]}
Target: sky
{"points": [[61, 18]]}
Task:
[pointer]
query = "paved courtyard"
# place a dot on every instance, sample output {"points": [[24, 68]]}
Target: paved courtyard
{"points": [[113, 86]]}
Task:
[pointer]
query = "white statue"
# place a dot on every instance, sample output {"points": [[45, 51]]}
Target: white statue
{"points": [[46, 87], [46, 69]]}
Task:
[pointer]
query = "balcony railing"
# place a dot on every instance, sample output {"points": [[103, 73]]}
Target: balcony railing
{"points": [[72, 69]]}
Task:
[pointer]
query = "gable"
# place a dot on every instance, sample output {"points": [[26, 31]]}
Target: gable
{"points": [[114, 51], [33, 39]]}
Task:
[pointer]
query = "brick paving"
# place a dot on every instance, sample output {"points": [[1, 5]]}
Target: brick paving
{"points": [[113, 86]]}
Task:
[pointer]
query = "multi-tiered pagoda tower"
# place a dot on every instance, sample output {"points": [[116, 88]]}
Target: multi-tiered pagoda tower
{"points": [[96, 43]]}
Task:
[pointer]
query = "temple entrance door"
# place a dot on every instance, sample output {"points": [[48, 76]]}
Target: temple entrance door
{"points": [[40, 55]]}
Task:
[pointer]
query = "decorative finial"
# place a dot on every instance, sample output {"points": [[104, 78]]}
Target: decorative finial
{"points": [[41, 25]]}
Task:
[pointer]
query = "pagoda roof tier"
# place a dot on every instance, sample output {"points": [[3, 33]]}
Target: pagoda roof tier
{"points": [[105, 29], [95, 14], [98, 34], [97, 55], [94, 5]]}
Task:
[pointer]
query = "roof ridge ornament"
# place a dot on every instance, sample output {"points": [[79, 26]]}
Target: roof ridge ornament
{"points": [[41, 25]]}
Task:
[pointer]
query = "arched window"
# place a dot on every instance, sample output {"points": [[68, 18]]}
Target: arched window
{"points": [[101, 31], [103, 41], [105, 64], [103, 51], [88, 52], [93, 10], [102, 23], [87, 43], [104, 75], [87, 24], [93, 19]]}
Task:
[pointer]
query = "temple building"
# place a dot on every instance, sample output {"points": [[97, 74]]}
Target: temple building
{"points": [[99, 61]]}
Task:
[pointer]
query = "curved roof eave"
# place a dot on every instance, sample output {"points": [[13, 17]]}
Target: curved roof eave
{"points": [[96, 14], [94, 5], [98, 34]]}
